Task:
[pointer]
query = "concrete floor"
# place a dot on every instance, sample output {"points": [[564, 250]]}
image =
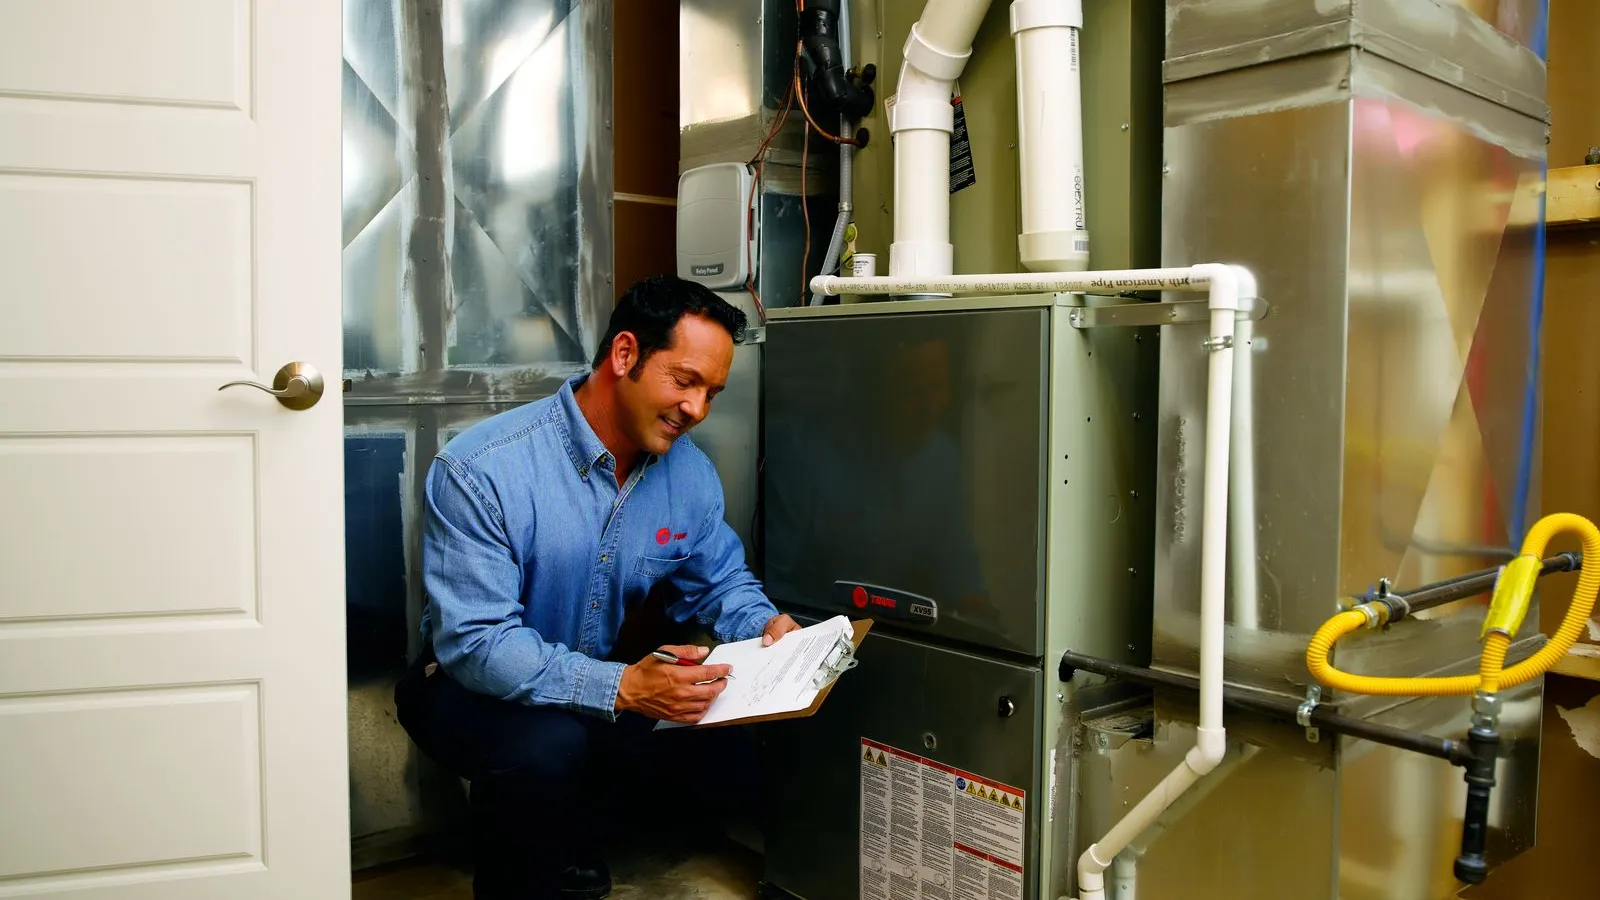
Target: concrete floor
{"points": [[730, 872]]}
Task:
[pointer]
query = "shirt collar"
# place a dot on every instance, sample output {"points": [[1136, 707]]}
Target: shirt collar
{"points": [[583, 445]]}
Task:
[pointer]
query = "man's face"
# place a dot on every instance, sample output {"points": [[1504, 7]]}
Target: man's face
{"points": [[672, 391]]}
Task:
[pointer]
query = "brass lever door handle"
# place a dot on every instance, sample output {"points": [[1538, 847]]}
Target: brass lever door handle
{"points": [[297, 385]]}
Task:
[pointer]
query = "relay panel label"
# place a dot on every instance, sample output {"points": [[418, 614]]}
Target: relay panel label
{"points": [[934, 832]]}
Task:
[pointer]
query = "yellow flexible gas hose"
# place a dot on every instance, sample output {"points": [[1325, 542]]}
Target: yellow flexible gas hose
{"points": [[1513, 594]]}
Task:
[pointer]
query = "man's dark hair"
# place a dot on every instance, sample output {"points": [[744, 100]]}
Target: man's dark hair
{"points": [[651, 309]]}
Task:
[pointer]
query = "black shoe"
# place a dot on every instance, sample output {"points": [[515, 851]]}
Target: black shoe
{"points": [[586, 880]]}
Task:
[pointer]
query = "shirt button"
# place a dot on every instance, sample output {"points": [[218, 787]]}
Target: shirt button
{"points": [[594, 605], [602, 557]]}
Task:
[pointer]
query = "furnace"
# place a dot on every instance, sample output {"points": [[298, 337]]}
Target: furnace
{"points": [[974, 474]]}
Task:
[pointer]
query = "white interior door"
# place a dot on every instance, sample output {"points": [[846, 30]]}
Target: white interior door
{"points": [[172, 720]]}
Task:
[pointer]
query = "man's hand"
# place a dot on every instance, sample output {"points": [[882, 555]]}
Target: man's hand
{"points": [[661, 690], [777, 627]]}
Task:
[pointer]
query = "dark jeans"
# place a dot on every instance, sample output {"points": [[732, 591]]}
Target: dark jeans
{"points": [[547, 783]]}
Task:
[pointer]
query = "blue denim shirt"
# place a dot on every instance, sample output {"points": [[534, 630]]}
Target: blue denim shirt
{"points": [[531, 553]]}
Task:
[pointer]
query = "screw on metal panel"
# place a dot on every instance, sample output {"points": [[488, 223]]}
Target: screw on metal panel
{"points": [[1133, 494], [1102, 741], [1124, 126], [929, 741], [1592, 158]]}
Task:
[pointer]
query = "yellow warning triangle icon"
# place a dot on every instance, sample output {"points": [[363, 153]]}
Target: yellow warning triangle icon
{"points": [[868, 755], [1016, 802]]}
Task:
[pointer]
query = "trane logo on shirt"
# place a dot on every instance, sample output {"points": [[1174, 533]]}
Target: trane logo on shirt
{"points": [[666, 536]]}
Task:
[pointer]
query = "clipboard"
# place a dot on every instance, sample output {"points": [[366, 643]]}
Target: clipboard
{"points": [[841, 659]]}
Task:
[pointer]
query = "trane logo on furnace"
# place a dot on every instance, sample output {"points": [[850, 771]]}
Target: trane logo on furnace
{"points": [[861, 598]]}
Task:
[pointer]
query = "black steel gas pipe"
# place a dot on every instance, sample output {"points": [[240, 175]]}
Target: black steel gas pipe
{"points": [[1274, 706], [1472, 864], [1476, 755], [1404, 603]]}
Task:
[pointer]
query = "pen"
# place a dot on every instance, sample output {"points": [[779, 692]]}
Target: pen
{"points": [[666, 657]]}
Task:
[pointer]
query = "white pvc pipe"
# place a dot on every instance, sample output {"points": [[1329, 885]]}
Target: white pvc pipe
{"points": [[952, 23], [1125, 868], [1227, 284], [936, 52], [1050, 135], [1194, 278]]}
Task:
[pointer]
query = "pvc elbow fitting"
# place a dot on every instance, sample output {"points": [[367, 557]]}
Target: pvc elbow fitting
{"points": [[1210, 746]]}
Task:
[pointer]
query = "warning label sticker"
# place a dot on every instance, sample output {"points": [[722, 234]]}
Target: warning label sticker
{"points": [[933, 832]]}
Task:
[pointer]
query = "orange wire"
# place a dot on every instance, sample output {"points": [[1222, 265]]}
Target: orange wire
{"points": [[760, 162], [813, 122]]}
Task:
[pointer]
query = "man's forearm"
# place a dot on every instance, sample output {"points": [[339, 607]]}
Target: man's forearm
{"points": [[746, 617], [514, 663]]}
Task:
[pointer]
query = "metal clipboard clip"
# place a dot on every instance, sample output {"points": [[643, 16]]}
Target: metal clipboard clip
{"points": [[840, 659]]}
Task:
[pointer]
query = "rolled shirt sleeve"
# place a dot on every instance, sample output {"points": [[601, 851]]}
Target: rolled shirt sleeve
{"points": [[474, 586]]}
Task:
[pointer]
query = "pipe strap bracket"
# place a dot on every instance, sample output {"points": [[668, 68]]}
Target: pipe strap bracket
{"points": [[927, 58], [1028, 14], [1302, 713]]}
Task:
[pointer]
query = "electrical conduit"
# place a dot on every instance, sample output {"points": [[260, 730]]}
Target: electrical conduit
{"points": [[1050, 135], [936, 52], [830, 261]]}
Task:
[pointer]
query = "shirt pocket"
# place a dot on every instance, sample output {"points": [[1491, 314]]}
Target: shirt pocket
{"points": [[651, 569]]}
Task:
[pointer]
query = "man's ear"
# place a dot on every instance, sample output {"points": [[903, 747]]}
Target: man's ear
{"points": [[624, 354]]}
